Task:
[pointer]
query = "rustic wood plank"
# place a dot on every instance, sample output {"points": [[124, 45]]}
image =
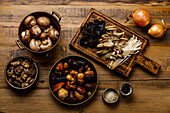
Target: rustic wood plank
{"points": [[151, 93], [83, 2], [148, 96]]}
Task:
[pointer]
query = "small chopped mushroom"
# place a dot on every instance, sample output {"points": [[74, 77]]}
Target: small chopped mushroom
{"points": [[15, 63], [26, 64]]}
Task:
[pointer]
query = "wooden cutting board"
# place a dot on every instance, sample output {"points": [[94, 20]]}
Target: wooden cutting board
{"points": [[127, 66]]}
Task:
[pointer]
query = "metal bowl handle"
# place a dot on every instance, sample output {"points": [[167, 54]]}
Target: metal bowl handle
{"points": [[59, 17], [18, 42]]}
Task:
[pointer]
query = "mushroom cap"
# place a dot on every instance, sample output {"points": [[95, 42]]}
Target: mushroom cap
{"points": [[35, 30], [43, 36], [26, 36], [53, 34], [28, 22], [46, 44], [43, 21], [35, 44]]}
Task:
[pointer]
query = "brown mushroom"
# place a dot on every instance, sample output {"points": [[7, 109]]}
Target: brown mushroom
{"points": [[35, 31], [59, 67], [26, 64], [66, 66], [43, 22], [62, 93], [15, 63], [78, 96], [46, 44], [58, 86], [53, 34], [43, 36], [81, 90], [48, 29], [30, 21], [26, 36], [35, 44]]}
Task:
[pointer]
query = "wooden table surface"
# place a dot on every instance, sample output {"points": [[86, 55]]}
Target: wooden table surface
{"points": [[151, 93]]}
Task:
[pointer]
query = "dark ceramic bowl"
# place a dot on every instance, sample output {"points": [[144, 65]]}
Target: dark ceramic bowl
{"points": [[23, 58], [55, 22], [74, 58], [126, 89]]}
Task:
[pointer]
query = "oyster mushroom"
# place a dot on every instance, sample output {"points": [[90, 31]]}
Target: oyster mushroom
{"points": [[35, 44], [30, 21], [46, 44], [26, 36], [104, 51], [53, 34], [35, 31], [43, 22]]}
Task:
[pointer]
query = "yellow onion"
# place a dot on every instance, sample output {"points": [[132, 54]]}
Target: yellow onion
{"points": [[141, 17], [157, 30]]}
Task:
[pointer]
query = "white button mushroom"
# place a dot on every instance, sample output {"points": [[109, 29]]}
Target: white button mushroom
{"points": [[26, 36], [30, 21], [46, 44], [35, 44]]}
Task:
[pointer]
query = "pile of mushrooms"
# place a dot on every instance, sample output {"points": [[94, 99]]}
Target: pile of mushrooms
{"points": [[73, 81], [116, 47], [40, 35], [21, 73], [110, 44]]}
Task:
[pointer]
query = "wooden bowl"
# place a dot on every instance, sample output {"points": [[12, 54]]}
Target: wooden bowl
{"points": [[25, 58], [55, 22], [77, 58]]}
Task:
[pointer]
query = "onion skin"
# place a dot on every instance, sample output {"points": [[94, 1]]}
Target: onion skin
{"points": [[156, 31], [141, 17]]}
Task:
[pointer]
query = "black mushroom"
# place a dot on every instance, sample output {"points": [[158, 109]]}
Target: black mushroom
{"points": [[35, 31], [53, 34], [30, 21], [26, 36], [43, 22]]}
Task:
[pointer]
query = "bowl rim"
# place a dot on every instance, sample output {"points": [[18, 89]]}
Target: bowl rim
{"points": [[31, 14], [111, 89], [22, 57], [79, 102]]}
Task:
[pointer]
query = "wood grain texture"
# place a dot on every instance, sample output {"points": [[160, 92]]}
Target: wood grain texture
{"points": [[151, 93]]}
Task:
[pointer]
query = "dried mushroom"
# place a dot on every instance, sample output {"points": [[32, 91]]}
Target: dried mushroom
{"points": [[21, 72], [91, 31]]}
